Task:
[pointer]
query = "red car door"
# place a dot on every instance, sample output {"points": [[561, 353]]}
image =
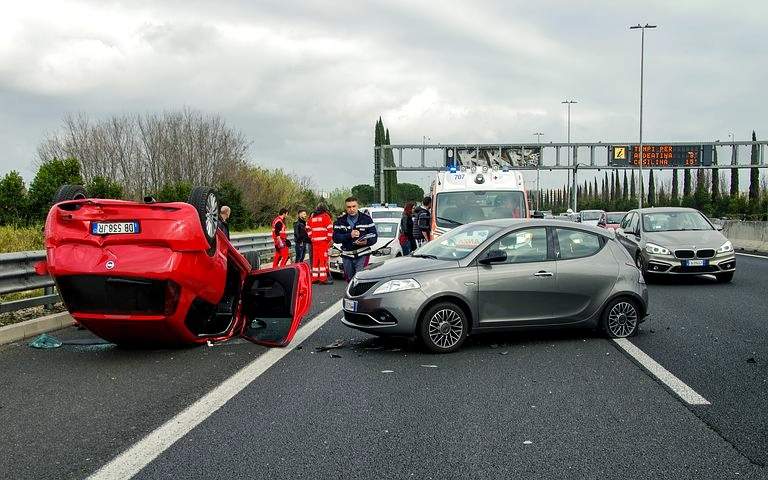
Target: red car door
{"points": [[273, 303]]}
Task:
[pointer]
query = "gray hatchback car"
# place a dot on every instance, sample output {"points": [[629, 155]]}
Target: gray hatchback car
{"points": [[676, 241], [501, 275]]}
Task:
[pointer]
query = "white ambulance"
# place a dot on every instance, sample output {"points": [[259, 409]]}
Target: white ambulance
{"points": [[469, 193]]}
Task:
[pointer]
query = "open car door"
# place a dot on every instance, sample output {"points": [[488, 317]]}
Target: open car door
{"points": [[274, 302]]}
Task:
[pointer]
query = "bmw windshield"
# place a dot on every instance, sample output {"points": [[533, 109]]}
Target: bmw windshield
{"points": [[457, 243], [670, 221]]}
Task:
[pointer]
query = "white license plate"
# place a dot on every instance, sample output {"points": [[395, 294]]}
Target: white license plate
{"points": [[110, 228], [695, 263], [350, 305]]}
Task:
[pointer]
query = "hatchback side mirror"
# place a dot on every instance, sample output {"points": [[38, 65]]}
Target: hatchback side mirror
{"points": [[493, 256]]}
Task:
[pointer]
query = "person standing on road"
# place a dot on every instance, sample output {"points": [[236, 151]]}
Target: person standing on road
{"points": [[320, 231], [355, 231], [422, 222], [282, 244], [406, 229], [223, 216], [300, 235]]}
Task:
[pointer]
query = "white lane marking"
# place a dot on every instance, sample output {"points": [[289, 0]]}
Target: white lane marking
{"points": [[681, 389], [130, 462], [751, 255]]}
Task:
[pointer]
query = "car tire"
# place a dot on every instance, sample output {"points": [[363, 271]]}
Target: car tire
{"points": [[621, 318], [337, 276], [207, 205], [69, 192], [641, 265], [724, 277], [443, 327]]}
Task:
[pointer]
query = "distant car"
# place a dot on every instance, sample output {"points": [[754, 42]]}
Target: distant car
{"points": [[163, 273], [387, 246], [494, 275], [387, 210], [610, 220], [589, 217], [676, 241]]}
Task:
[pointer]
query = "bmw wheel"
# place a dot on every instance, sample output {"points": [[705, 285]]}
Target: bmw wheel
{"points": [[724, 277], [621, 318], [443, 328], [207, 205]]}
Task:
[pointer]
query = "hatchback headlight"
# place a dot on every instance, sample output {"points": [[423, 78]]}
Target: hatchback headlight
{"points": [[397, 286], [654, 249], [383, 251], [726, 247]]}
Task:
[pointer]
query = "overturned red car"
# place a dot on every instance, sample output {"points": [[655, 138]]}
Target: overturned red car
{"points": [[163, 273]]}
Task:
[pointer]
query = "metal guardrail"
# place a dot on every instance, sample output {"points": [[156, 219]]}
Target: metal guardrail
{"points": [[17, 270]]}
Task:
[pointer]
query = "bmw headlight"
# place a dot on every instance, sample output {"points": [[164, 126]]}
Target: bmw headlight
{"points": [[654, 249], [726, 247], [397, 286]]}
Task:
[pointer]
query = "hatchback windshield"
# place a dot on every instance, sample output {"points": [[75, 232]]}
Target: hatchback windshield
{"points": [[615, 217], [671, 221], [457, 243]]}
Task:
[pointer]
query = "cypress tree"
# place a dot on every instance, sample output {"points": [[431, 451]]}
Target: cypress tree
{"points": [[754, 177], [390, 176], [734, 174], [715, 190], [651, 189], [675, 189]]}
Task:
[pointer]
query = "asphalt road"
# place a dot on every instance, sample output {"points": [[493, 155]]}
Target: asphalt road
{"points": [[536, 405]]}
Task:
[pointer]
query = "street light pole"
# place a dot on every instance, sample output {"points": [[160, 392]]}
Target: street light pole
{"points": [[538, 163], [570, 148], [642, 53]]}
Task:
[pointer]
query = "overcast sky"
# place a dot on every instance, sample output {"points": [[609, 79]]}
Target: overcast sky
{"points": [[306, 81]]}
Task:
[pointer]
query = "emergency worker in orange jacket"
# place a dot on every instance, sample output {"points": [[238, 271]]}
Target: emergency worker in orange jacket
{"points": [[320, 231], [282, 244]]}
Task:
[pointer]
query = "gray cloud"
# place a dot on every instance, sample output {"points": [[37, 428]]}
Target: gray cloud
{"points": [[306, 81]]}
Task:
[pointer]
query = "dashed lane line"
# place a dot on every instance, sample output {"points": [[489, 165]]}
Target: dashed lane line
{"points": [[665, 376], [130, 462]]}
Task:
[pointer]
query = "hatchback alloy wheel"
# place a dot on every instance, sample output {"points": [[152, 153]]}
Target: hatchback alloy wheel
{"points": [[621, 318], [443, 328]]}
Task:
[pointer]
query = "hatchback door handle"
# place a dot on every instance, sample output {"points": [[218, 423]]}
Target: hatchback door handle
{"points": [[543, 274]]}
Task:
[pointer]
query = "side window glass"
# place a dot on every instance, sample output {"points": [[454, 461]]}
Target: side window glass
{"points": [[633, 221], [576, 244], [522, 246], [625, 221]]}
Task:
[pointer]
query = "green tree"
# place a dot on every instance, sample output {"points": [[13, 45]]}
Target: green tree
{"points": [[675, 200], [13, 199], [409, 192], [390, 176], [734, 174], [651, 189], [240, 219], [715, 188], [174, 192], [754, 177], [701, 194], [49, 178], [378, 159], [101, 187], [364, 194]]}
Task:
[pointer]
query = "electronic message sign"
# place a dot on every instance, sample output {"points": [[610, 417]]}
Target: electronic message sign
{"points": [[660, 156]]}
